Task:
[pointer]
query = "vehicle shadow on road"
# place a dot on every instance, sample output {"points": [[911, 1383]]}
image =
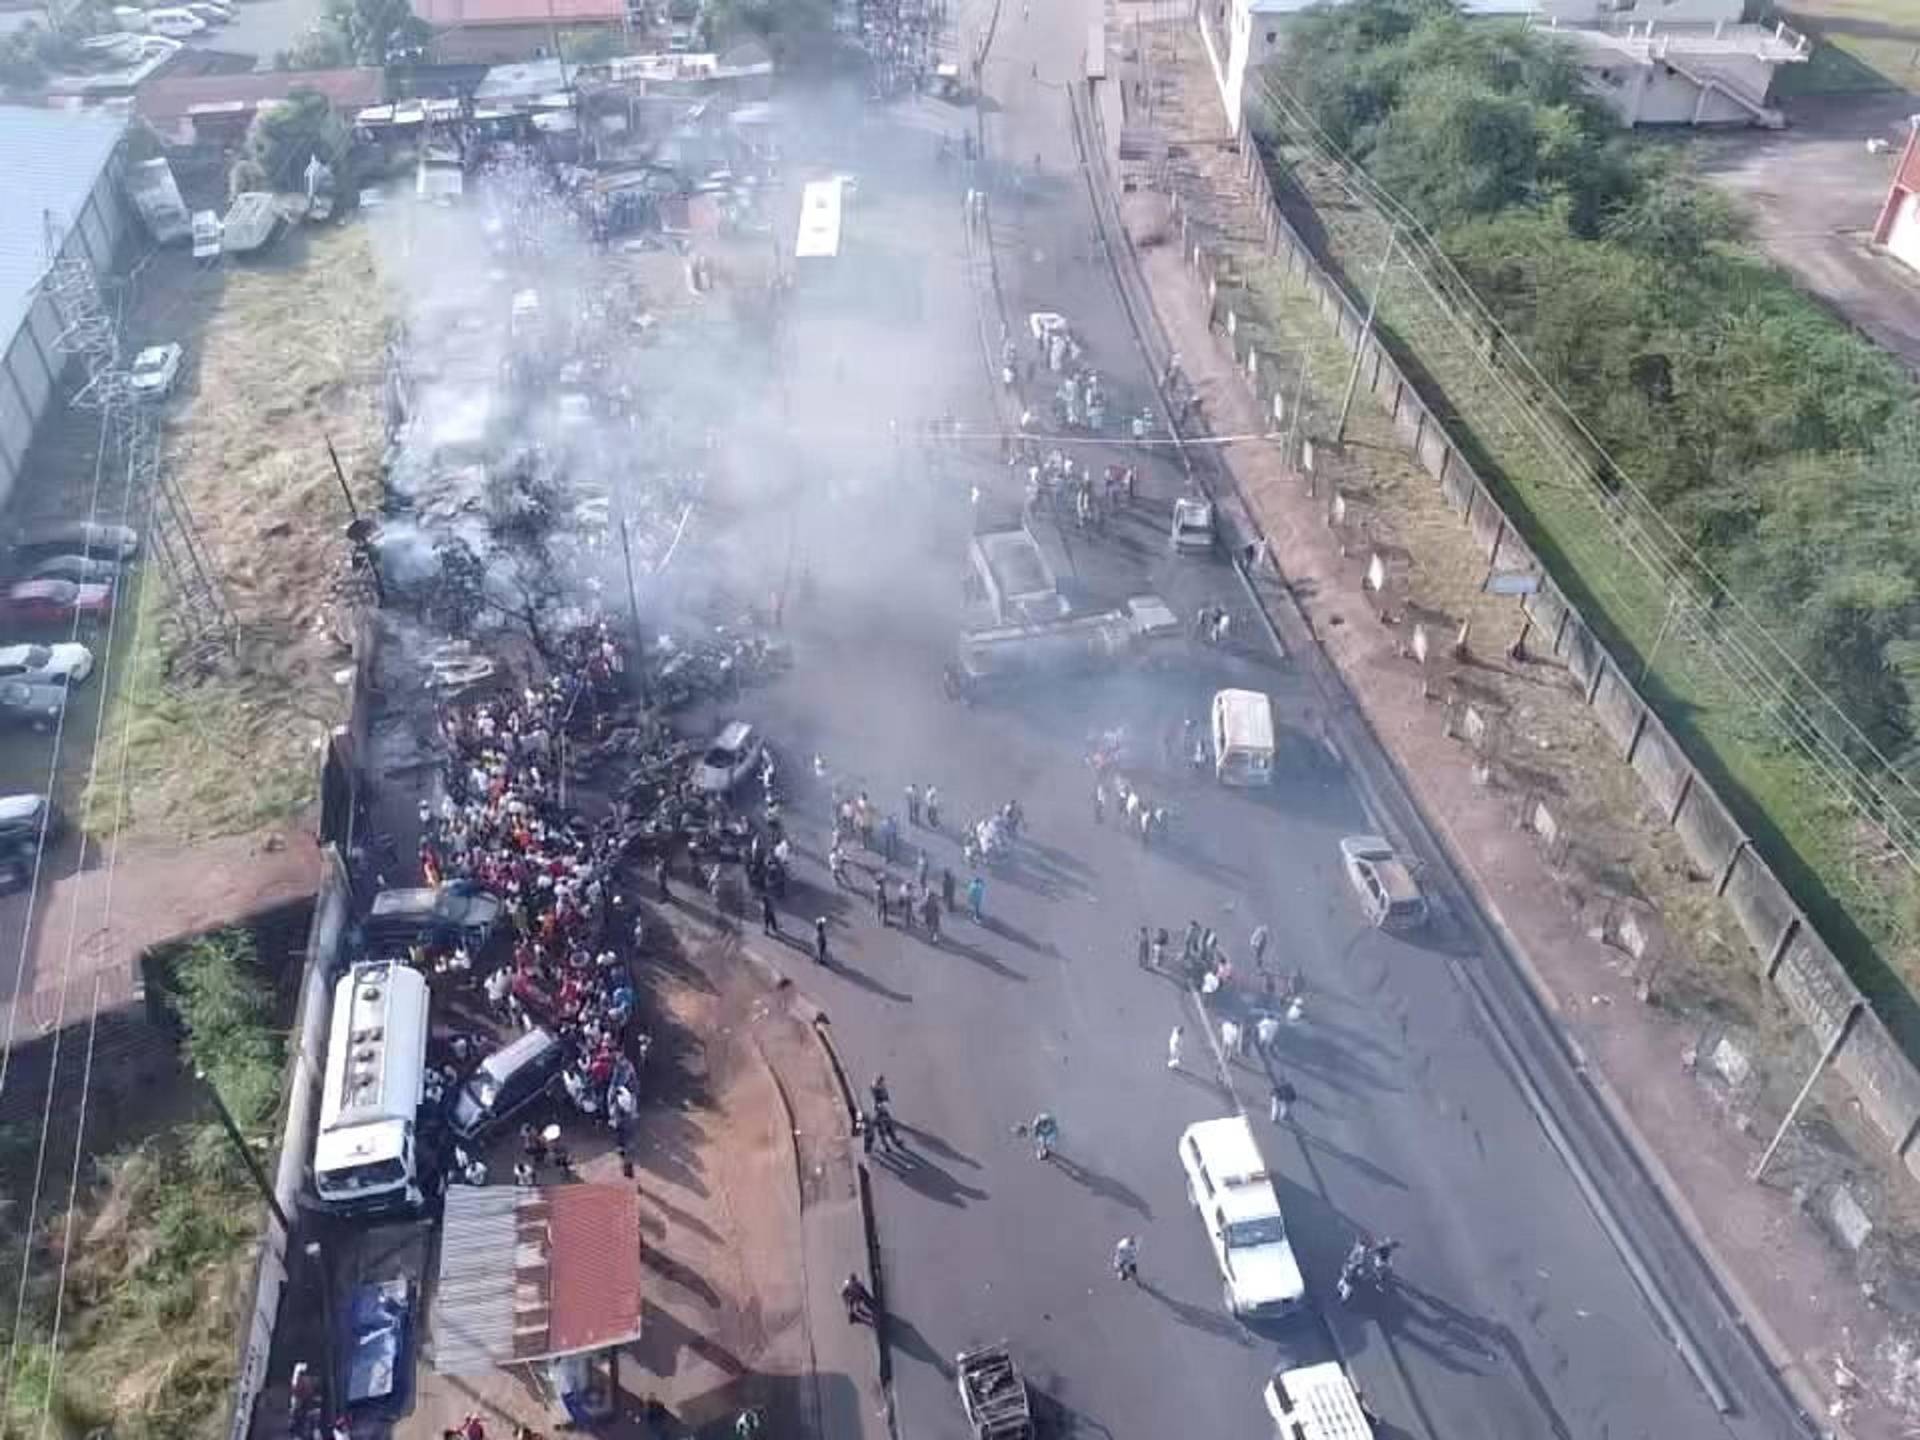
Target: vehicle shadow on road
{"points": [[1200, 1317], [921, 1175], [1104, 1186]]}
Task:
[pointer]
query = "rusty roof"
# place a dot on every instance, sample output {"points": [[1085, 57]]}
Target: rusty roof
{"points": [[173, 96], [449, 14], [529, 1274]]}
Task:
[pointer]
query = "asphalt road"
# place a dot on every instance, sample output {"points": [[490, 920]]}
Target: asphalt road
{"points": [[1517, 1316]]}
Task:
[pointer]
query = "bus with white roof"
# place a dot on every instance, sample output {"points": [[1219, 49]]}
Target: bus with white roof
{"points": [[365, 1159]]}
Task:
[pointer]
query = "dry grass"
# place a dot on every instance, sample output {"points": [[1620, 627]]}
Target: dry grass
{"points": [[291, 351]]}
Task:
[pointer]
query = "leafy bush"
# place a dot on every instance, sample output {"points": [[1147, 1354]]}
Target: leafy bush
{"points": [[1778, 442], [226, 1012]]}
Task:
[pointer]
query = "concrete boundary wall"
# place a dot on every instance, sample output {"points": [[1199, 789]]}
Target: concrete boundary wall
{"points": [[1807, 975]]}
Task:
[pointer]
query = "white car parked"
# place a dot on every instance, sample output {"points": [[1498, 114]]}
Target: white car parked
{"points": [[155, 369], [63, 664], [175, 24]]}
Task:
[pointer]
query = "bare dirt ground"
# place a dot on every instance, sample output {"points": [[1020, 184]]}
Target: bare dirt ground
{"points": [[1700, 1116]]}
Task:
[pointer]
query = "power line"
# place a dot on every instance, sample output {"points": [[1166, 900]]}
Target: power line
{"points": [[1724, 632]]}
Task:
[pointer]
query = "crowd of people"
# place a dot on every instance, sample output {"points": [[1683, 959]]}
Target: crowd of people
{"points": [[501, 826]]}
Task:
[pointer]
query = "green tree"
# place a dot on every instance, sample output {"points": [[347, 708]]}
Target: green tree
{"points": [[360, 32], [284, 137]]}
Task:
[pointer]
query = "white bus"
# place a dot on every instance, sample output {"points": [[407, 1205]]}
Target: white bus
{"points": [[817, 244], [363, 1154]]}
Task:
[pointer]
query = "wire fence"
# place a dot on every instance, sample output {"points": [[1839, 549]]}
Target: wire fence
{"points": [[1712, 668]]}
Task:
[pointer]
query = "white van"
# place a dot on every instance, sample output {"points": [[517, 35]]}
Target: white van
{"points": [[1242, 738], [175, 24], [1317, 1402], [1228, 1182]]}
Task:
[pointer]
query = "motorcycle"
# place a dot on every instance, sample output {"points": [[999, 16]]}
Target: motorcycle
{"points": [[1369, 1265]]}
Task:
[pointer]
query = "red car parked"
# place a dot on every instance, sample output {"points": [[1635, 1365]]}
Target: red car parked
{"points": [[46, 602]]}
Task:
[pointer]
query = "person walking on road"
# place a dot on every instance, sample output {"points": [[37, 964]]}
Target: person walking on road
{"points": [[769, 918], [858, 1300], [1126, 1258], [913, 803], [1145, 948], [1280, 1101], [920, 871], [880, 897], [1173, 1048], [932, 803], [1046, 1135], [1258, 943], [947, 884], [820, 940], [1100, 802], [1230, 1039], [1266, 1035], [930, 913], [977, 899]]}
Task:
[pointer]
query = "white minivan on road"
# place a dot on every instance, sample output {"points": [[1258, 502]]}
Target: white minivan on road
{"points": [[1229, 1184], [1242, 732]]}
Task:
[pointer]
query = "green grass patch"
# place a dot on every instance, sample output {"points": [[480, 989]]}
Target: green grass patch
{"points": [[1876, 45]]}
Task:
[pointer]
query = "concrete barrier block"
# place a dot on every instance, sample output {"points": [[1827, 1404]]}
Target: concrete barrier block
{"points": [[1485, 519], [1619, 711], [1546, 609], [1457, 484], [1814, 986], [1432, 450], [1885, 1080], [1513, 554], [1656, 757], [1705, 825], [1408, 416], [1580, 650], [1757, 898]]}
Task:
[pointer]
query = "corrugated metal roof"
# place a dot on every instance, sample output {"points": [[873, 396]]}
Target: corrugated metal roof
{"points": [[572, 1283], [52, 160]]}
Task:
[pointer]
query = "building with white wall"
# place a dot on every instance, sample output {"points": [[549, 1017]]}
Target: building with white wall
{"points": [[1653, 62], [62, 188]]}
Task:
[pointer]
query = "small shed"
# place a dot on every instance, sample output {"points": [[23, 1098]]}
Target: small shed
{"points": [[537, 1274]]}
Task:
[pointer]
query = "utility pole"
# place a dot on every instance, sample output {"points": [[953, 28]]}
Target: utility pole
{"points": [[1366, 333], [1840, 1033], [246, 1152]]}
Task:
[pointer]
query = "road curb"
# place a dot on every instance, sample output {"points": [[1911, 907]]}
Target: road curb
{"points": [[819, 1025], [1325, 677]]}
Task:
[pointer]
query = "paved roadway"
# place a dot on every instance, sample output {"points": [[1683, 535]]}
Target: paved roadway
{"points": [[1517, 1317]]}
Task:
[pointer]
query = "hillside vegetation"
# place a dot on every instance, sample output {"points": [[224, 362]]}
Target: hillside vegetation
{"points": [[1782, 447]]}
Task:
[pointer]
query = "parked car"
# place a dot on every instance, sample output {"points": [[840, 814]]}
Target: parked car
{"points": [[89, 568], [48, 602], [176, 24], [91, 537], [1389, 894], [63, 664], [40, 706], [155, 369], [728, 759], [454, 913], [505, 1083], [208, 13], [21, 820]]}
